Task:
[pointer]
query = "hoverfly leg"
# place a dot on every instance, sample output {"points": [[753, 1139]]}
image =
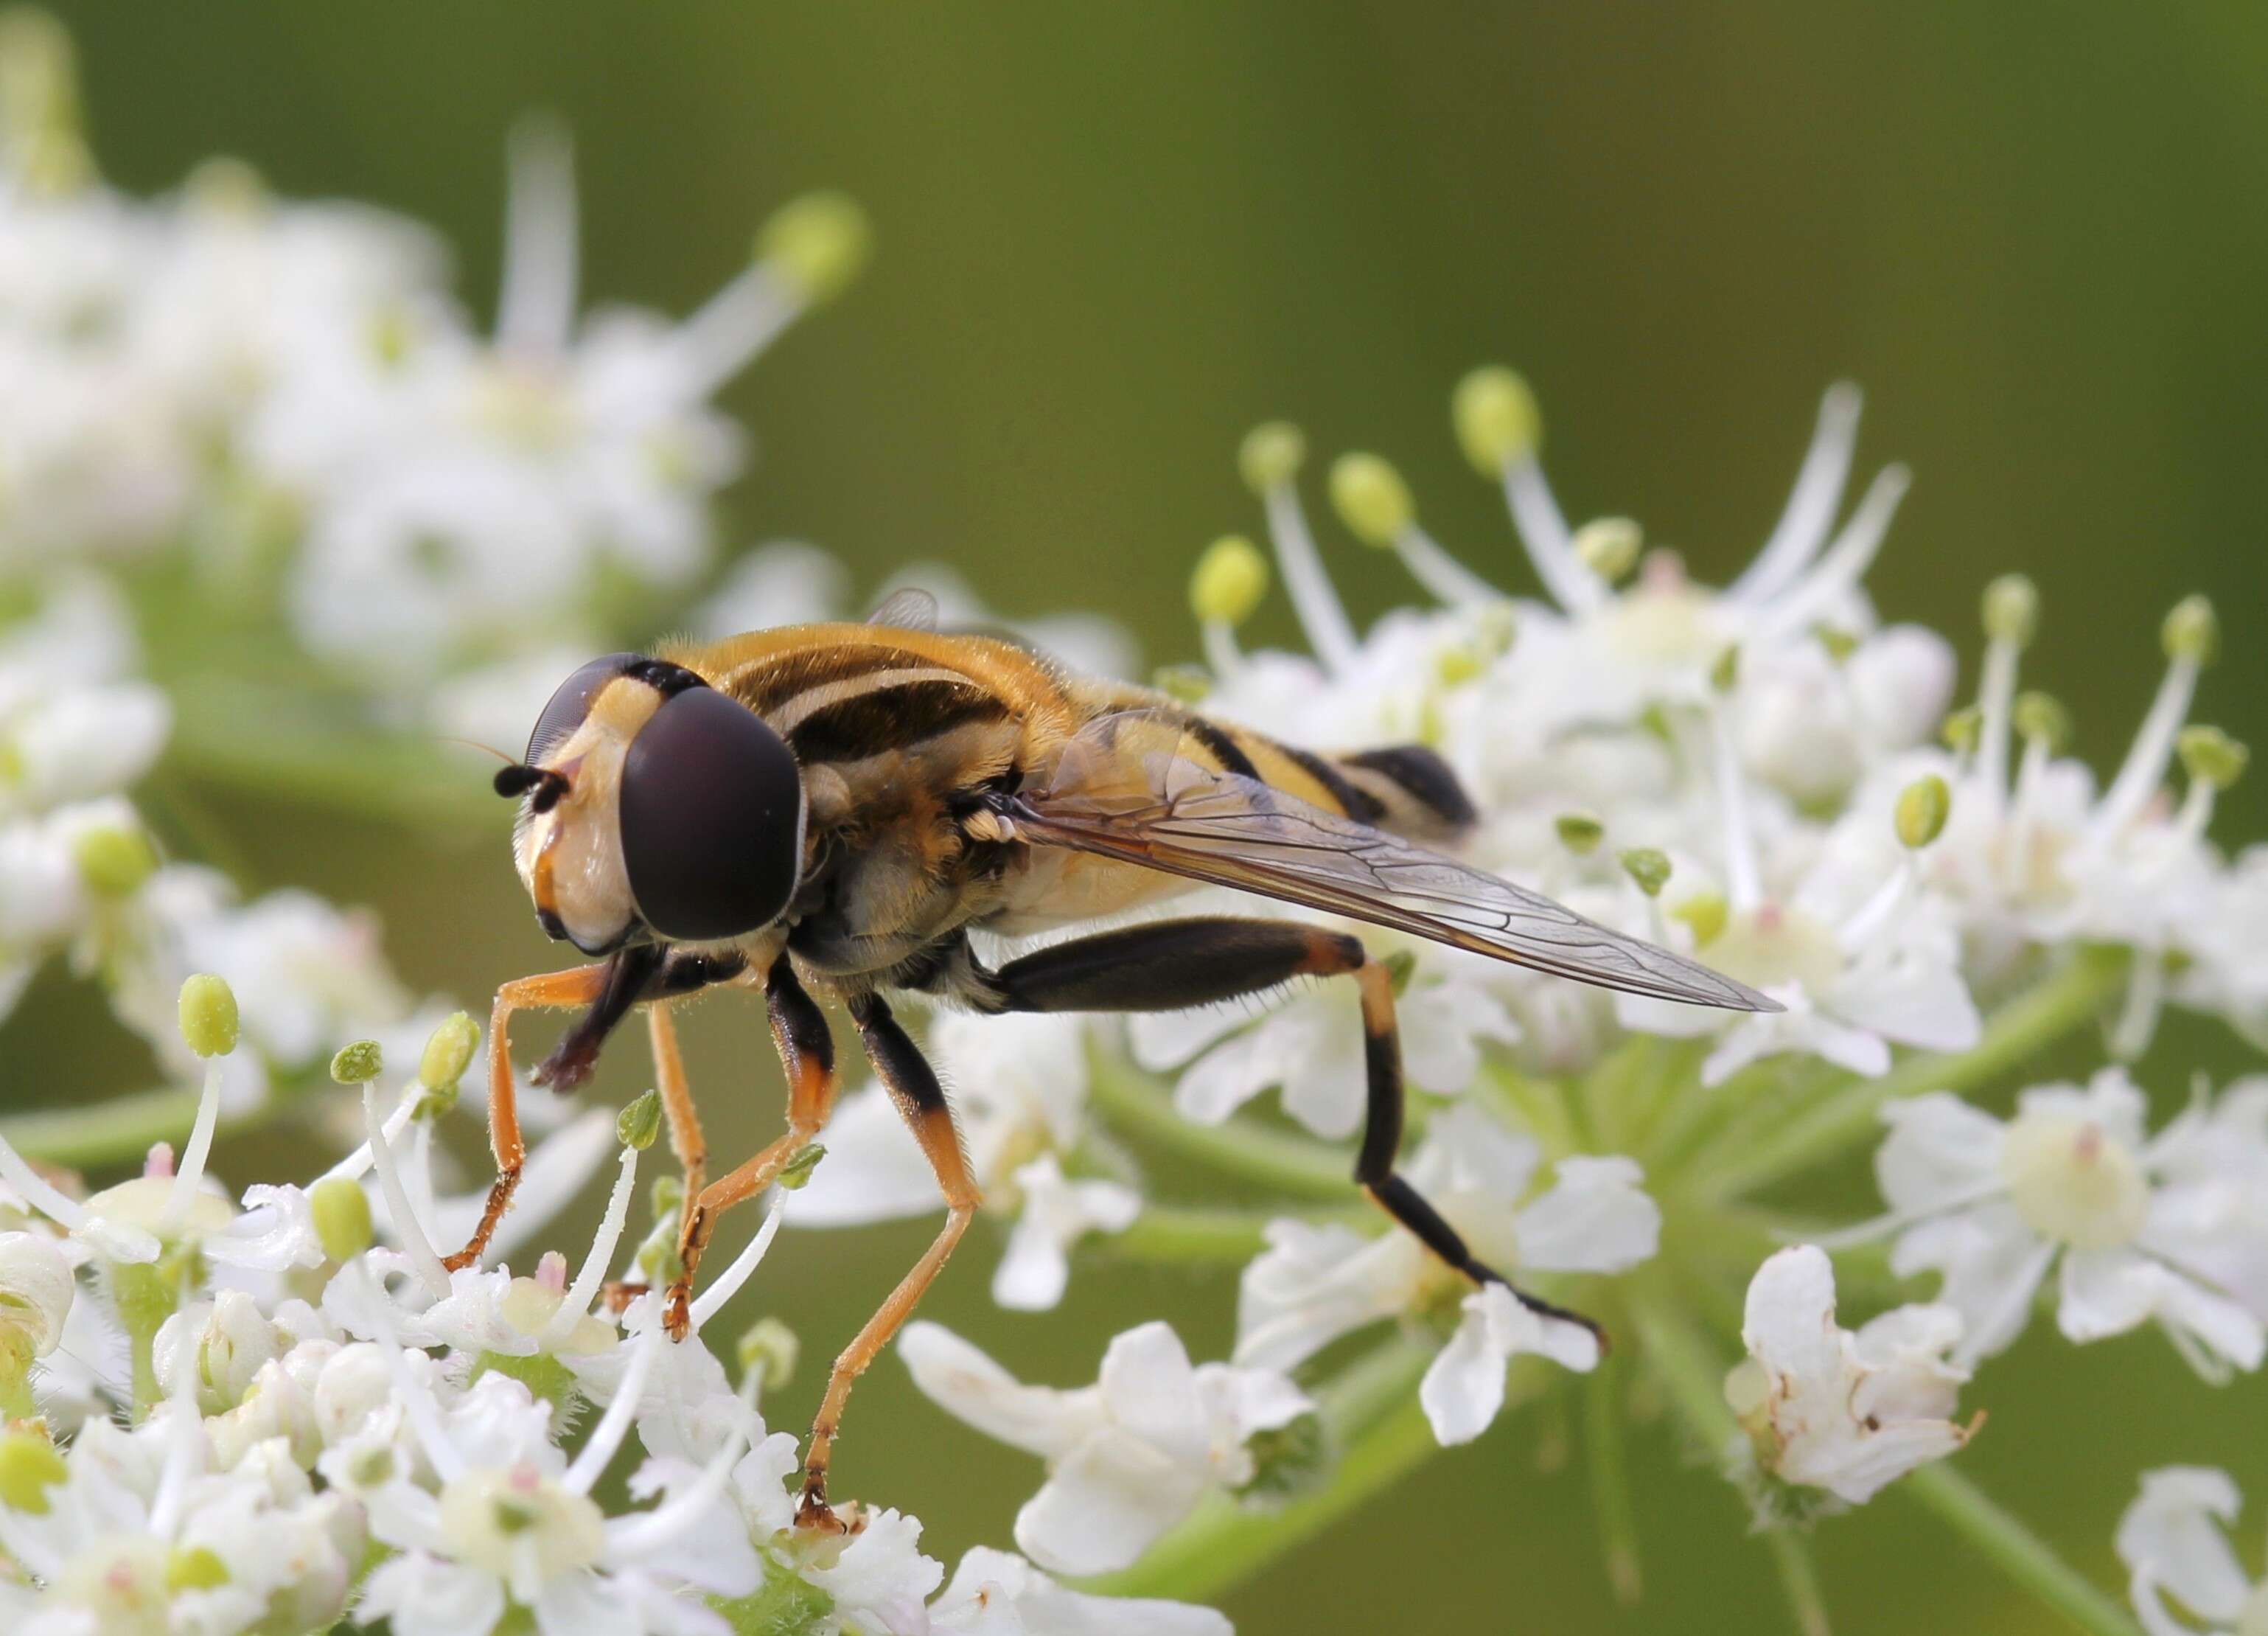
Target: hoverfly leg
{"points": [[913, 1086]]}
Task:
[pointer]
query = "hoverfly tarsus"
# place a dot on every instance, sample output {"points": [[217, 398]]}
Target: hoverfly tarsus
{"points": [[836, 808]]}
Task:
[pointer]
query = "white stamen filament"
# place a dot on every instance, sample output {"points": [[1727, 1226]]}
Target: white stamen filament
{"points": [[2144, 766], [417, 1175], [1542, 530], [727, 332], [585, 1287], [2031, 772], [1744, 886], [743, 1267], [1811, 503], [352, 1168], [1223, 656], [2197, 810], [1996, 700], [1448, 580], [414, 1243], [591, 1463], [41, 1194], [2145, 998], [1894, 1221], [424, 1415], [535, 307], [1330, 633], [184, 1431], [635, 1539], [1838, 573], [184, 1190], [1874, 916]]}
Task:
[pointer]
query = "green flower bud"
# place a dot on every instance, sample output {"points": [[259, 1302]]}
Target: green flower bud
{"points": [[2212, 757], [358, 1064], [1229, 580], [640, 1122], [1962, 729], [2011, 609], [208, 1015], [114, 861], [799, 1169], [666, 1197], [2041, 716], [448, 1053], [29, 1466], [342, 1213], [1609, 546], [816, 245], [768, 1348], [1649, 867], [1579, 833], [2191, 632], [1922, 809], [1271, 455], [1839, 644], [1371, 498], [1707, 913], [1496, 419]]}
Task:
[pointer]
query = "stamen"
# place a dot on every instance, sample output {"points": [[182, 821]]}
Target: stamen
{"points": [[184, 1431], [1550, 545], [594, 1272], [1742, 884], [414, 1243], [744, 1266], [591, 1463], [1270, 460], [536, 308], [635, 1539], [424, 1415], [353, 1167], [1845, 564], [191, 1174], [1224, 587], [41, 1194], [2190, 639], [1811, 503], [1442, 575], [730, 330], [2145, 1000]]}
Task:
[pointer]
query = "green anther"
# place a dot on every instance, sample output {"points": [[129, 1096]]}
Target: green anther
{"points": [[1271, 455], [195, 1567], [1649, 867], [666, 1196], [1454, 665], [448, 1051], [1922, 809], [358, 1064], [1579, 833], [1371, 498], [435, 1104], [2041, 716], [815, 245], [770, 1348], [2210, 756], [798, 1170], [1496, 419], [638, 1125], [1838, 643], [1184, 684], [114, 861], [2191, 632], [1230, 579], [1706, 913], [1725, 675], [29, 1466], [208, 1015], [342, 1213], [1401, 966], [1609, 546], [2011, 609], [1962, 729]]}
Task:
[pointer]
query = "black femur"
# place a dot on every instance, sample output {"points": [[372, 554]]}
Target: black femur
{"points": [[712, 809]]}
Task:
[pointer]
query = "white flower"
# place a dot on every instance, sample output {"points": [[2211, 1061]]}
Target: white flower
{"points": [[2174, 1542], [996, 1593], [2140, 1229], [1315, 1283], [880, 1580], [1056, 1213], [36, 1286], [1127, 1458], [1829, 1409]]}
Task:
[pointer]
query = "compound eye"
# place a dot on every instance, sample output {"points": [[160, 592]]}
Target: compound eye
{"points": [[711, 810], [571, 704]]}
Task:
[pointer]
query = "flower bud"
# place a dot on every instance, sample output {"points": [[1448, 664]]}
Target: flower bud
{"points": [[1229, 580], [1922, 809], [1271, 455], [637, 1124], [448, 1051], [1371, 498], [770, 1348], [2040, 716], [816, 245], [2191, 632], [36, 1287], [1609, 546], [29, 1466], [114, 860], [1579, 833], [2210, 756], [354, 1383], [342, 1213], [1649, 867], [358, 1064], [797, 1169], [1496, 419], [208, 1015], [237, 1339], [2011, 610]]}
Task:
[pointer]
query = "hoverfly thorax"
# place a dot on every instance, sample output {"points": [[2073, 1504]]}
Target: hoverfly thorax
{"points": [[654, 807]]}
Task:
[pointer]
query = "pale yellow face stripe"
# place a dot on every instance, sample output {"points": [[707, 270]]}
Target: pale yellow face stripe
{"points": [[799, 708]]}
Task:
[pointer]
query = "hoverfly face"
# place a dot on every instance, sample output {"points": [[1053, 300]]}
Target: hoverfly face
{"points": [[656, 805]]}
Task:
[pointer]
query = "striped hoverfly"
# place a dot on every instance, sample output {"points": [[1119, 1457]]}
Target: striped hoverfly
{"points": [[833, 809]]}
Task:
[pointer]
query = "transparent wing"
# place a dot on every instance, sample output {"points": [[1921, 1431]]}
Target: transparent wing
{"points": [[1185, 818], [911, 609]]}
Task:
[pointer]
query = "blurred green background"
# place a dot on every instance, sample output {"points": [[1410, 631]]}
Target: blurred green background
{"points": [[1112, 237]]}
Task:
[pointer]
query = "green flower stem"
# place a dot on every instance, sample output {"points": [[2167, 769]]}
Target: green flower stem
{"points": [[1538, 1106], [1610, 1487], [1745, 1162], [1799, 1578], [16, 1401], [120, 1129], [1283, 1163], [1175, 1232], [2016, 1550]]}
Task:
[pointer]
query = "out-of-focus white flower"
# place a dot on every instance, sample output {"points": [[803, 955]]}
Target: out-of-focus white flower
{"points": [[36, 1285], [996, 1593], [2138, 1229], [1829, 1409], [1055, 1213], [1127, 1458], [2174, 1542]]}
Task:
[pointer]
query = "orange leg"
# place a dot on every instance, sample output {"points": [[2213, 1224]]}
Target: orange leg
{"points": [[914, 1086], [806, 1052], [554, 991], [685, 1138]]}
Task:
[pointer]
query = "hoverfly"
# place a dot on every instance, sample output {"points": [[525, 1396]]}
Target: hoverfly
{"points": [[834, 808]]}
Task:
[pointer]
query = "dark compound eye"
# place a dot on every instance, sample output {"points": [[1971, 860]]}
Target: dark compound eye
{"points": [[571, 704], [711, 819]]}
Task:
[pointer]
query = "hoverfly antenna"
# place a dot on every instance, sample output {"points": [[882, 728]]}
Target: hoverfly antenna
{"points": [[518, 779]]}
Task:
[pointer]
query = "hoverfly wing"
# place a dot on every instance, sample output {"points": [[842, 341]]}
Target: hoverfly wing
{"points": [[909, 608], [1234, 831]]}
